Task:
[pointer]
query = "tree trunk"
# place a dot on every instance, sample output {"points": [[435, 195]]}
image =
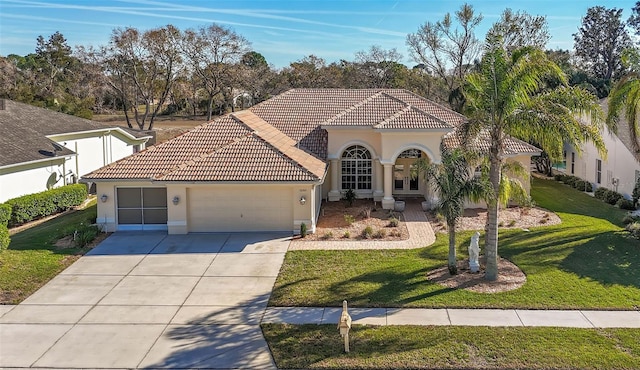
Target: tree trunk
{"points": [[453, 263], [491, 247], [209, 108]]}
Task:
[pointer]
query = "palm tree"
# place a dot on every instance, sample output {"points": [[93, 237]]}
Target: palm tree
{"points": [[625, 96], [508, 97], [454, 181]]}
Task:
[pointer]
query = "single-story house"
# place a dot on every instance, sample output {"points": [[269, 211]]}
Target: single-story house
{"points": [[42, 149], [268, 168], [618, 171]]}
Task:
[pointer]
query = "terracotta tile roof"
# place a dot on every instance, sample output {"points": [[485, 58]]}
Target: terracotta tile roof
{"points": [[482, 143], [281, 139]]}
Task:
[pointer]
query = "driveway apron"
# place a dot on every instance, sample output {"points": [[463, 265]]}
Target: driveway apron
{"points": [[151, 300]]}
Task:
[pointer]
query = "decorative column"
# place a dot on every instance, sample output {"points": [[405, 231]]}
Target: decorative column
{"points": [[388, 202], [378, 192], [334, 193]]}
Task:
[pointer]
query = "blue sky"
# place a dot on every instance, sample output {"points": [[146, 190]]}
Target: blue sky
{"points": [[282, 31]]}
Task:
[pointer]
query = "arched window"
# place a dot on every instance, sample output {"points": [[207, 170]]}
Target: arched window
{"points": [[356, 168]]}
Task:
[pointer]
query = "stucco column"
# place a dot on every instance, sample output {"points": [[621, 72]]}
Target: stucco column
{"points": [[378, 192], [388, 202], [334, 193]]}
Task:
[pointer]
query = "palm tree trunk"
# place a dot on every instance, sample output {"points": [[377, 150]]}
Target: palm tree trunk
{"points": [[491, 247], [453, 263]]}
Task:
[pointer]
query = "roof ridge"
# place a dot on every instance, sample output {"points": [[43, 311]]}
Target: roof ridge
{"points": [[289, 147], [357, 105], [394, 116]]}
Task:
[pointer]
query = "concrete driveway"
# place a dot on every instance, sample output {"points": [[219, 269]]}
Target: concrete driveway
{"points": [[151, 300]]}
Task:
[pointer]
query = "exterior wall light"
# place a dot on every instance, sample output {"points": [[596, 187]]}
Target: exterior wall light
{"points": [[176, 200], [303, 200], [103, 198]]}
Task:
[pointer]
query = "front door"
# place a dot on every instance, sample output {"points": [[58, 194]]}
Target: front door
{"points": [[403, 182]]}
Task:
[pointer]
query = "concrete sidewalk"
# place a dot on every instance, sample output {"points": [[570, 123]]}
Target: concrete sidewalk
{"points": [[450, 316]]}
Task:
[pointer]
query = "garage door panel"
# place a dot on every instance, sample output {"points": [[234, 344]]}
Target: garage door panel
{"points": [[233, 209]]}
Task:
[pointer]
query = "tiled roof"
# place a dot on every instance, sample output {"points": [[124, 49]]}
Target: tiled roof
{"points": [[482, 142], [281, 139], [236, 147]]}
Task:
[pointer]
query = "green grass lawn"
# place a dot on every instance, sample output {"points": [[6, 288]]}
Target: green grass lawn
{"points": [[451, 347], [588, 261], [32, 259]]}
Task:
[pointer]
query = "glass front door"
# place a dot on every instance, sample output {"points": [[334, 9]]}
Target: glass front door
{"points": [[403, 182]]}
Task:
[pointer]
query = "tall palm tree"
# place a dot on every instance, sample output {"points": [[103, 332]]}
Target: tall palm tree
{"points": [[625, 98], [453, 179], [508, 96]]}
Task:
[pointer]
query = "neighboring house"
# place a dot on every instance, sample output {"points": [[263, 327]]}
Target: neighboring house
{"points": [[619, 171], [269, 167], [42, 149]]}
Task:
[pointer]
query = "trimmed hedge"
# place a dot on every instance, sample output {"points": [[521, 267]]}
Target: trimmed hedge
{"points": [[608, 196], [5, 214], [626, 204], [4, 238], [34, 206]]}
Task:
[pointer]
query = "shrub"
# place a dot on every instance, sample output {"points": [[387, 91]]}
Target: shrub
{"points": [[367, 232], [612, 197], [634, 229], [5, 214], [600, 192], [512, 223], [394, 222], [303, 229], [349, 196], [635, 194], [34, 206], [349, 219], [85, 235], [346, 235], [559, 176], [570, 180], [583, 185], [4, 238], [327, 235], [366, 212], [627, 204], [380, 234], [627, 219]]}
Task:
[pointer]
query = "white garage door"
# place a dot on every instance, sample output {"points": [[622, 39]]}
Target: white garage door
{"points": [[220, 208]]}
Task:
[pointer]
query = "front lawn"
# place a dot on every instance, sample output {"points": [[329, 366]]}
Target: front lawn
{"points": [[453, 347], [33, 259], [588, 262]]}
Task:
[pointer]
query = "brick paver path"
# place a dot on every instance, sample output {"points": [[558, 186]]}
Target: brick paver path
{"points": [[420, 235]]}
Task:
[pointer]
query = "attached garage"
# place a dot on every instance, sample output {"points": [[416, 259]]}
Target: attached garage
{"points": [[240, 208], [141, 208]]}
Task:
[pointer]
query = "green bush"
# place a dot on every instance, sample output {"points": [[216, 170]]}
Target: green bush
{"points": [[635, 194], [600, 192], [559, 176], [5, 213], [303, 229], [583, 185], [394, 222], [367, 232], [34, 206], [634, 229], [85, 235], [612, 197], [627, 219], [626, 204], [570, 180], [4, 238], [349, 196]]}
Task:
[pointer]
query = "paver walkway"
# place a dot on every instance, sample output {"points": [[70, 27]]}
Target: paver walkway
{"points": [[420, 235]]}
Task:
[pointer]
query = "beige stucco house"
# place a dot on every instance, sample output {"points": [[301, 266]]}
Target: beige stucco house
{"points": [[270, 167]]}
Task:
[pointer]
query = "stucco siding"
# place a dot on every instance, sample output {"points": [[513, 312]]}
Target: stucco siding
{"points": [[30, 178]]}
